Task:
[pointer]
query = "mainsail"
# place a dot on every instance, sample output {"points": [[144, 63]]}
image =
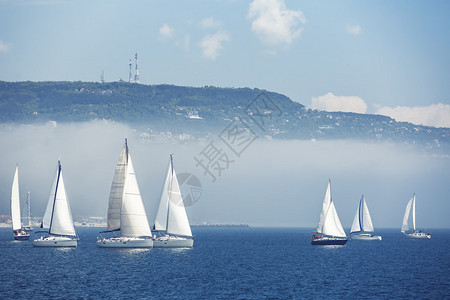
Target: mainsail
{"points": [[48, 211], [171, 215], [362, 221], [61, 222], [405, 225], [15, 202], [133, 218], [163, 207], [116, 194], [329, 223], [325, 205]]}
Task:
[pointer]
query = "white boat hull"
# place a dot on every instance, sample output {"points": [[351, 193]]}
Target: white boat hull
{"points": [[173, 242], [125, 242], [55, 241], [365, 237], [418, 235]]}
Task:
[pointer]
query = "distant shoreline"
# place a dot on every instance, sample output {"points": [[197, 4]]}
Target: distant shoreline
{"points": [[220, 225]]}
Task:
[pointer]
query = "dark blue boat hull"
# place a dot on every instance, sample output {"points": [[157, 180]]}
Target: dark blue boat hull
{"points": [[323, 242]]}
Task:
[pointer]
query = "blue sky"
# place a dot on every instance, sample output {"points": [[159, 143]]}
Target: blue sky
{"points": [[388, 57]]}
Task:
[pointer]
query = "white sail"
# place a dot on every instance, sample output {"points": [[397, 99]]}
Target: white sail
{"points": [[116, 194], [325, 205], [48, 211], [177, 223], [133, 218], [362, 220], [15, 202], [332, 225], [61, 221], [161, 214], [367, 220], [405, 225], [356, 226]]}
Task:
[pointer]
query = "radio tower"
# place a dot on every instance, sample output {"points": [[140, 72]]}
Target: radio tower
{"points": [[130, 77], [136, 76]]}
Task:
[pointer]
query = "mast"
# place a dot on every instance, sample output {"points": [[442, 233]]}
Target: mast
{"points": [[361, 204], [170, 190], [126, 148], [414, 212], [54, 198]]}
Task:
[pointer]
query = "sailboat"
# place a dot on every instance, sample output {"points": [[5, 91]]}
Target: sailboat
{"points": [[27, 219], [57, 224], [405, 226], [18, 230], [171, 221], [329, 229], [362, 224], [126, 212]]}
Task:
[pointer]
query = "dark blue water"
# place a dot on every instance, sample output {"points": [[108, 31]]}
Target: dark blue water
{"points": [[231, 263]]}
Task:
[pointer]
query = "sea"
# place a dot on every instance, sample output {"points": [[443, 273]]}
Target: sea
{"points": [[231, 263]]}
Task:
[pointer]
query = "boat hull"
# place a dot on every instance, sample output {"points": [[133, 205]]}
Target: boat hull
{"points": [[55, 242], [21, 236], [328, 241], [125, 242], [418, 235], [366, 237], [173, 242]]}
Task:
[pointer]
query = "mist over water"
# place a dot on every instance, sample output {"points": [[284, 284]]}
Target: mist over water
{"points": [[273, 183]]}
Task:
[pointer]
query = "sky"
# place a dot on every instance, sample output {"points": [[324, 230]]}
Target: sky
{"points": [[385, 57]]}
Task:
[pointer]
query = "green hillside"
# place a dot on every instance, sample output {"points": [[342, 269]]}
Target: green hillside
{"points": [[199, 110]]}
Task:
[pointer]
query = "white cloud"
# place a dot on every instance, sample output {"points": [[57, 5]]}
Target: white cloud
{"points": [[166, 31], [331, 102], [437, 115], [4, 47], [273, 23], [212, 44], [210, 23], [354, 29]]}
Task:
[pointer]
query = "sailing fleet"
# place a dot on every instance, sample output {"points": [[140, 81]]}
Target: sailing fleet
{"points": [[128, 225], [330, 231]]}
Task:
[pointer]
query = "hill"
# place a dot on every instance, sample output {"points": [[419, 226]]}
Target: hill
{"points": [[199, 111]]}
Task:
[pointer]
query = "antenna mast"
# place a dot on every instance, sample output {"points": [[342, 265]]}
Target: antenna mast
{"points": [[136, 76], [130, 77]]}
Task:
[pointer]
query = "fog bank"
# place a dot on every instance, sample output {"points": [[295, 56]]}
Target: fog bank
{"points": [[272, 183]]}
